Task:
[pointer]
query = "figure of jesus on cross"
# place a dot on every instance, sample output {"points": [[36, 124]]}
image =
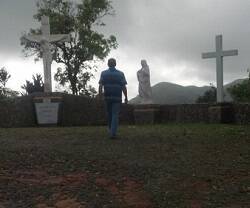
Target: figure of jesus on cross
{"points": [[45, 40], [219, 54]]}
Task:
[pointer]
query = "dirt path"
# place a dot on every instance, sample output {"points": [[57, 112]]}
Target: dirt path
{"points": [[66, 190]]}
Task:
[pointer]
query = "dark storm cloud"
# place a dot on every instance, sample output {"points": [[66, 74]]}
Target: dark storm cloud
{"points": [[15, 18], [167, 33], [179, 31]]}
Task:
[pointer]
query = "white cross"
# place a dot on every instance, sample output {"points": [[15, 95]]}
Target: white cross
{"points": [[45, 40], [219, 54]]}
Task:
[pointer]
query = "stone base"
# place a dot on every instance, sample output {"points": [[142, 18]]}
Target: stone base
{"points": [[221, 113], [48, 110], [146, 114]]}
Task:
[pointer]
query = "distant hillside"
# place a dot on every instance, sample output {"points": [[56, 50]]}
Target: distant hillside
{"points": [[170, 93]]}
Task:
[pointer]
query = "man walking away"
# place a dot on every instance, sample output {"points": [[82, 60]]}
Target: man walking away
{"points": [[114, 83]]}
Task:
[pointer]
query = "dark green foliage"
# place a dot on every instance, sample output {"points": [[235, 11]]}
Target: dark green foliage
{"points": [[86, 46], [4, 77], [208, 97], [4, 91], [36, 85], [241, 91]]}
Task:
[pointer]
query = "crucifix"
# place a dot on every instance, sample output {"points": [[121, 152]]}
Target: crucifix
{"points": [[46, 40], [219, 54]]}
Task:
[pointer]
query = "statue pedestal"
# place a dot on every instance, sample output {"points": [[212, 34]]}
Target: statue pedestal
{"points": [[146, 114], [47, 110], [221, 113]]}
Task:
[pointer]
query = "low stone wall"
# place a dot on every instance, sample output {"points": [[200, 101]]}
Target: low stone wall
{"points": [[82, 111], [186, 113], [74, 111], [242, 113], [127, 114], [17, 112]]}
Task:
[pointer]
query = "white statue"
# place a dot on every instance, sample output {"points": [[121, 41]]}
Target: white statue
{"points": [[46, 40], [145, 91]]}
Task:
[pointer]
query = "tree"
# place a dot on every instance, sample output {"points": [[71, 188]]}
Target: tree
{"points": [[4, 78], [209, 96], [241, 91], [36, 85], [86, 46]]}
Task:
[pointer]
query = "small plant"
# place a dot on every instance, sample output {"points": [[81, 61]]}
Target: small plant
{"points": [[36, 85]]}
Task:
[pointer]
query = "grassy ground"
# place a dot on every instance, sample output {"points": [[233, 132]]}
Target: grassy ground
{"points": [[189, 165]]}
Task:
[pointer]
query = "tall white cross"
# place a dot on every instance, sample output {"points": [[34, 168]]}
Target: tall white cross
{"points": [[45, 40], [219, 54]]}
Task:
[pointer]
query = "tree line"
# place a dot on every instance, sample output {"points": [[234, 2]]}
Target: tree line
{"points": [[239, 92]]}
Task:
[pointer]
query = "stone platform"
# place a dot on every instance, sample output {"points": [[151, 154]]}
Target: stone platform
{"points": [[221, 113], [146, 114]]}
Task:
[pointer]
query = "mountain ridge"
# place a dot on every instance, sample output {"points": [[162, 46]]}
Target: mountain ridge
{"points": [[172, 93]]}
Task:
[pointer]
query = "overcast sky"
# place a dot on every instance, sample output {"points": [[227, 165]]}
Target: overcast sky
{"points": [[170, 35]]}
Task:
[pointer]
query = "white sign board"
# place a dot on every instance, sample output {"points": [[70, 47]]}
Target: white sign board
{"points": [[47, 113]]}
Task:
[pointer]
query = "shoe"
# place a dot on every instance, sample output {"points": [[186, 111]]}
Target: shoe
{"points": [[113, 137]]}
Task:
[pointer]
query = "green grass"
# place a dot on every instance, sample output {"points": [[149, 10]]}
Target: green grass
{"points": [[187, 165]]}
